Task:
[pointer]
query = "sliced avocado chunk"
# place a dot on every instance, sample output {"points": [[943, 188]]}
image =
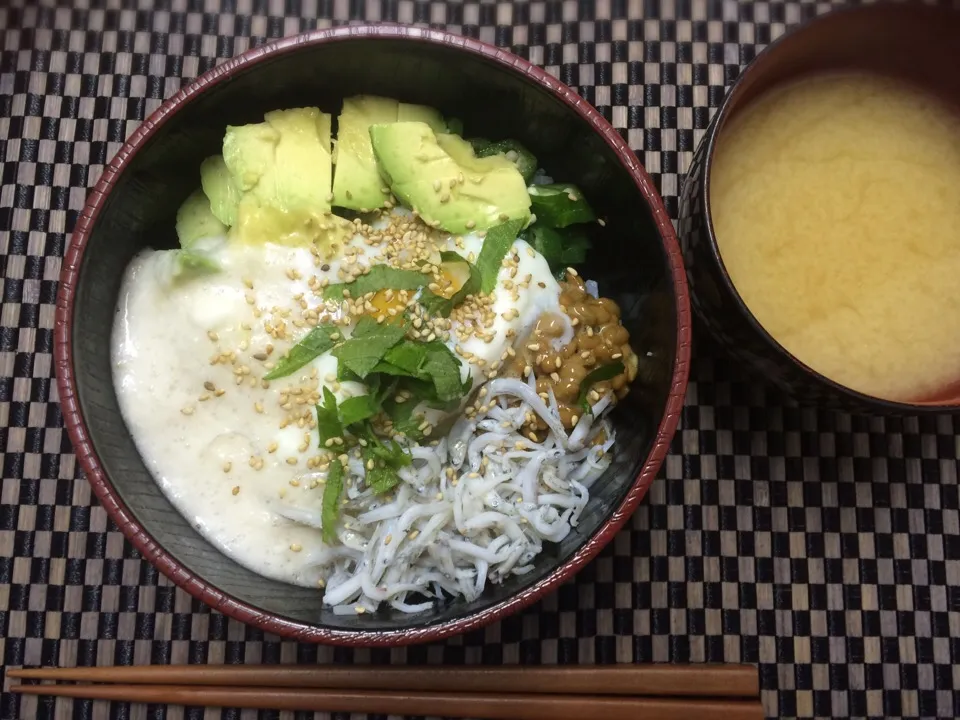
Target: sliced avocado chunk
{"points": [[249, 151], [283, 169], [196, 221], [357, 183], [220, 189], [439, 177], [424, 114], [302, 171]]}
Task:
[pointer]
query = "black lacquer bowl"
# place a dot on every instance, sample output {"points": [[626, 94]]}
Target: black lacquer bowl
{"points": [[908, 40], [636, 259]]}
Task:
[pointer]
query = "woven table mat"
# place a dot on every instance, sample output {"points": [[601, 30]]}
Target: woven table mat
{"points": [[824, 547]]}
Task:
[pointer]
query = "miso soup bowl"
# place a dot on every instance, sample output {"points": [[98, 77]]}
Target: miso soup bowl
{"points": [[907, 40], [636, 260]]}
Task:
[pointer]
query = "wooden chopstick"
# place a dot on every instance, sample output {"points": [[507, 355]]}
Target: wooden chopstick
{"points": [[451, 704], [647, 680]]}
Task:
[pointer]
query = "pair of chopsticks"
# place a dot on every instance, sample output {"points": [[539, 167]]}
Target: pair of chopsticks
{"points": [[624, 692]]}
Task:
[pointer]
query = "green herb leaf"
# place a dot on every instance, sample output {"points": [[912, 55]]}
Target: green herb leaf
{"points": [[479, 144], [433, 363], [401, 414], [328, 418], [601, 374], [559, 205], [438, 305], [443, 368], [406, 358], [358, 408], [382, 479], [315, 343], [455, 126], [369, 343], [387, 457], [425, 391], [525, 161], [560, 248], [498, 241], [380, 277], [330, 511]]}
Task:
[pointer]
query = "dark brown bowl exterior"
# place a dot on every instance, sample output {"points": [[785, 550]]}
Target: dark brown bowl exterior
{"points": [[910, 40], [636, 259]]}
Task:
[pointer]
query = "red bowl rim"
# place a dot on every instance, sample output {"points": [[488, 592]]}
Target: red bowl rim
{"points": [[213, 596]]}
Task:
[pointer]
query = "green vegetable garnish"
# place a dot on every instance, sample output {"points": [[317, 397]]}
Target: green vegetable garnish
{"points": [[559, 205], [561, 249], [359, 408], [431, 362], [455, 126], [497, 242], [602, 373], [438, 305], [479, 144], [404, 421], [382, 478], [328, 418], [525, 161], [370, 342], [443, 368], [380, 277], [192, 264], [315, 343], [330, 511]]}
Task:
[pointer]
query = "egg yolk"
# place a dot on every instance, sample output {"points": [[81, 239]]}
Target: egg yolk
{"points": [[452, 277]]}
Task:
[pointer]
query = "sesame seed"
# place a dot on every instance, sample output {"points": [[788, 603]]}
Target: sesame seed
{"points": [[291, 461], [413, 535], [601, 222], [226, 466], [188, 410], [571, 197], [555, 377], [616, 356], [236, 490], [272, 447], [296, 547]]}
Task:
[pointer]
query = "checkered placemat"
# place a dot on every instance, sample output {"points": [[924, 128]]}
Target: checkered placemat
{"points": [[825, 548]]}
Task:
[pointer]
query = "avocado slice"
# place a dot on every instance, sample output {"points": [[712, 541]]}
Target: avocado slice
{"points": [[422, 113], [220, 189], [440, 177], [196, 221], [249, 152], [357, 183], [283, 169], [301, 174]]}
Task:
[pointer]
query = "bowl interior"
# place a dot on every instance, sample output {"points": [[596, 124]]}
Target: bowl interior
{"points": [[910, 41], [629, 262]]}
